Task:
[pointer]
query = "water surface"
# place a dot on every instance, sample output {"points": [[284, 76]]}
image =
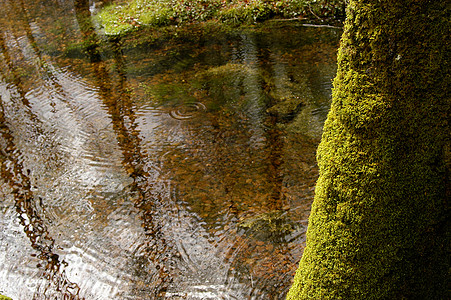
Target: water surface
{"points": [[181, 167]]}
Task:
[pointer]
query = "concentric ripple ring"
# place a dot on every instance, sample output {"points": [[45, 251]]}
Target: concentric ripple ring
{"points": [[187, 110]]}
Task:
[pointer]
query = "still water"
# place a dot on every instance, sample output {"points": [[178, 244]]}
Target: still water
{"points": [[177, 165]]}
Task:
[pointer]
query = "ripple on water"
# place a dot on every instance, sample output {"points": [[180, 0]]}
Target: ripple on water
{"points": [[73, 114], [111, 243], [101, 253], [187, 110]]}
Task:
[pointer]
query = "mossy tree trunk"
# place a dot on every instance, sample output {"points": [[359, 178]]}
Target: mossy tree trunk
{"points": [[379, 218]]}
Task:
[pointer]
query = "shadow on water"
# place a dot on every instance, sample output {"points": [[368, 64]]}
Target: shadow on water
{"points": [[169, 168]]}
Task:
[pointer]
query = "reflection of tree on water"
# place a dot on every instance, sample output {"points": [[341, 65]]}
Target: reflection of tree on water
{"points": [[273, 134], [147, 202], [159, 251], [29, 207], [30, 215], [222, 169], [13, 75], [230, 169], [239, 173]]}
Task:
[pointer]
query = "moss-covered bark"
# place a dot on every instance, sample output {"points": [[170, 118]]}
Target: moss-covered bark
{"points": [[378, 224]]}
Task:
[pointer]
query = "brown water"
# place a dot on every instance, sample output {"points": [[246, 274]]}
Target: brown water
{"points": [[176, 168]]}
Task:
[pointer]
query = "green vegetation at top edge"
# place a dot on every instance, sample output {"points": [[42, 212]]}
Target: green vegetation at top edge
{"points": [[126, 15]]}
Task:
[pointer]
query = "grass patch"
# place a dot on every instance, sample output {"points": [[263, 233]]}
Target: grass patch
{"points": [[124, 16], [117, 19]]}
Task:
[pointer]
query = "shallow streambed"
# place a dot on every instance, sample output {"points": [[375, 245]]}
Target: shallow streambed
{"points": [[178, 168]]}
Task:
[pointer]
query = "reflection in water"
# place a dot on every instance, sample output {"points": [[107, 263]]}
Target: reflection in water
{"points": [[168, 170], [30, 214]]}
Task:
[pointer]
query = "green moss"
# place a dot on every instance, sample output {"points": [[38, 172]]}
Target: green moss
{"points": [[118, 19], [247, 12], [224, 83], [4, 298], [288, 95], [286, 108], [274, 225], [221, 83], [168, 93], [378, 223]]}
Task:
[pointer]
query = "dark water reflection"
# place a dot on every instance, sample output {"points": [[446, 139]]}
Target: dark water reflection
{"points": [[176, 169]]}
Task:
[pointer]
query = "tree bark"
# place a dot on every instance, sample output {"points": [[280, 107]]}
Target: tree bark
{"points": [[378, 223]]}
